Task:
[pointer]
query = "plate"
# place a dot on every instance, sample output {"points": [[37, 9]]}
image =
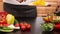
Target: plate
{"points": [[6, 30]]}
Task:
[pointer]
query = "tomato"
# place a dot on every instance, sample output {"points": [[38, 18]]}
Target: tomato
{"points": [[21, 24], [3, 21], [25, 24], [28, 26], [3, 14], [23, 27], [5, 25], [3, 17], [57, 26], [17, 25], [1, 25]]}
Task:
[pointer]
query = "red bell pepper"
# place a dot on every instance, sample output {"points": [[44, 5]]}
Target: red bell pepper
{"points": [[3, 17], [57, 26]]}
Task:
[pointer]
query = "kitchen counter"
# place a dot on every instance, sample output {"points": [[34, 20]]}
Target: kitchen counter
{"points": [[35, 29]]}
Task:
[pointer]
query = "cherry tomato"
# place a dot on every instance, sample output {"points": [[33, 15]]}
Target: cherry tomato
{"points": [[17, 25], [23, 28], [28, 26], [21, 24], [25, 24]]}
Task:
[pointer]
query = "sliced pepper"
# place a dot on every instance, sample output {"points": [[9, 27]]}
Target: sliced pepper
{"points": [[10, 19]]}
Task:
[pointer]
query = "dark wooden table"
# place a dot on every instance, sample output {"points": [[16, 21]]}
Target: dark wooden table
{"points": [[35, 27]]}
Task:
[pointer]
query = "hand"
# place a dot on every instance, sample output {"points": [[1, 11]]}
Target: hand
{"points": [[21, 0]]}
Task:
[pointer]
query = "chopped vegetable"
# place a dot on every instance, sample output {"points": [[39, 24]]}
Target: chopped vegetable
{"points": [[6, 29], [10, 19], [11, 26], [3, 17], [17, 26], [47, 26]]}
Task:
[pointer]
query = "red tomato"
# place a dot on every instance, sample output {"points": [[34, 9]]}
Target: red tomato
{"points": [[3, 17], [57, 26], [1, 25], [25, 24], [3, 14], [23, 28], [6, 25], [17, 25], [3, 21], [28, 26], [21, 24]]}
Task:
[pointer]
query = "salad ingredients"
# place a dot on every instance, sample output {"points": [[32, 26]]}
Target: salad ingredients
{"points": [[3, 21], [11, 26], [3, 17], [23, 28], [5, 25], [10, 19], [47, 26], [1, 25], [21, 24], [48, 19], [3, 12], [17, 26], [6, 29], [56, 19], [28, 26], [57, 26]]}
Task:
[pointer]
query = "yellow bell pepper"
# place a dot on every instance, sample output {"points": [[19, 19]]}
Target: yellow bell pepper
{"points": [[10, 19]]}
